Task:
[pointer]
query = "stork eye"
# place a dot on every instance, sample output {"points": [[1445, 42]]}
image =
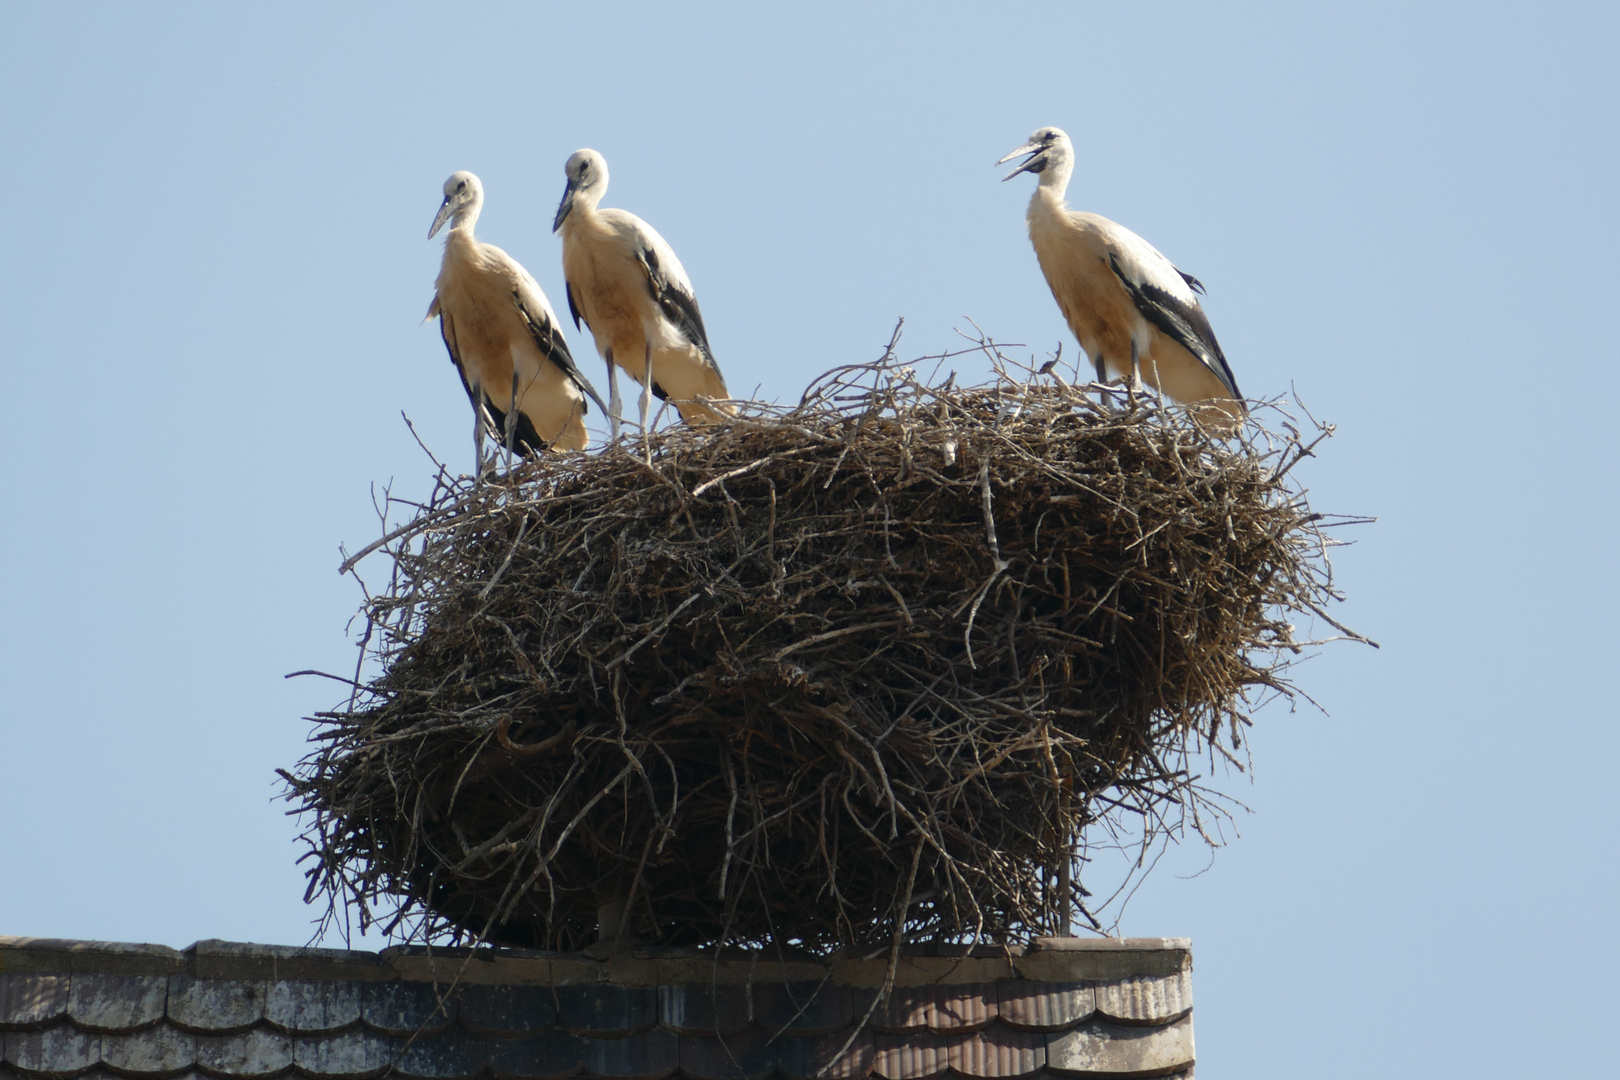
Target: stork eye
{"points": [[461, 185]]}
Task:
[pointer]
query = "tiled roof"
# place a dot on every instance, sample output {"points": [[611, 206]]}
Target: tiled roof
{"points": [[1062, 1008]]}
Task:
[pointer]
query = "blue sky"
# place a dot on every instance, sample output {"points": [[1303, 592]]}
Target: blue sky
{"points": [[212, 284]]}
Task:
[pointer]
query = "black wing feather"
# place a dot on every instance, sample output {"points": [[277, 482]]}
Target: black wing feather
{"points": [[679, 306], [1192, 283], [549, 340], [525, 439], [447, 331], [1187, 325], [573, 308]]}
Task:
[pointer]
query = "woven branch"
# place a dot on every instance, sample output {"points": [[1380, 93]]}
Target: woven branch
{"points": [[863, 671]]}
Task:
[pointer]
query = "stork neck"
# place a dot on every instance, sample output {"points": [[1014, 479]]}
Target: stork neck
{"points": [[1055, 177], [466, 218], [587, 199], [1047, 200]]}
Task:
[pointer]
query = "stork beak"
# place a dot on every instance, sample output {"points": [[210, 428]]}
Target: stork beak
{"points": [[564, 207], [447, 210], [1034, 152]]}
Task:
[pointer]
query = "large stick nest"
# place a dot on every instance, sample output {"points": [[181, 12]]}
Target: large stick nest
{"points": [[859, 672]]}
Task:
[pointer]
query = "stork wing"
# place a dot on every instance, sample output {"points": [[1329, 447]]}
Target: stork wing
{"points": [[525, 438], [573, 308], [537, 315], [1180, 317], [666, 279], [447, 331]]}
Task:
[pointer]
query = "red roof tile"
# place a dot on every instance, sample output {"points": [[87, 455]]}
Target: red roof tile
{"points": [[1034, 1006], [998, 1053]]}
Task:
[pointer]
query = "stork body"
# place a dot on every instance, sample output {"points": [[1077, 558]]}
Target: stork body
{"points": [[627, 286], [503, 337], [1132, 311]]}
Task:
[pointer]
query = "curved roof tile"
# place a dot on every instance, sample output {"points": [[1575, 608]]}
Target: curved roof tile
{"points": [[226, 1011]]}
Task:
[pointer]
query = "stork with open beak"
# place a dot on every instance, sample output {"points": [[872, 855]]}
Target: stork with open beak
{"points": [[1132, 311]]}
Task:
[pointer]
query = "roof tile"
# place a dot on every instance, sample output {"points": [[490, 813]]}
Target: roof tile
{"points": [[117, 1003], [906, 1010], [911, 1057], [804, 1058], [30, 1001], [508, 1010], [407, 1008], [603, 1009], [1037, 1006], [997, 1052], [1146, 999], [1100, 1047], [306, 1007], [646, 1056], [708, 1019], [803, 1008], [704, 1009], [215, 1006], [550, 1055], [750, 1055], [450, 1055], [937, 1008], [62, 1050], [256, 1053], [344, 1056], [970, 1007], [157, 1051]]}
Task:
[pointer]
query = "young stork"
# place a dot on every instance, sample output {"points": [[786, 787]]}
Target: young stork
{"points": [[1132, 311], [503, 337], [625, 282]]}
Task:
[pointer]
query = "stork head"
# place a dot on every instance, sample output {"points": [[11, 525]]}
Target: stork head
{"points": [[587, 174], [463, 195], [1048, 146]]}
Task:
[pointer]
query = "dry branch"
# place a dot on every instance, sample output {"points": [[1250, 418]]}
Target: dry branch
{"points": [[857, 672]]}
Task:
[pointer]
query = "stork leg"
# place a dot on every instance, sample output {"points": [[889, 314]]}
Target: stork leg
{"points": [[613, 398], [511, 419], [1136, 369], [646, 392]]}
